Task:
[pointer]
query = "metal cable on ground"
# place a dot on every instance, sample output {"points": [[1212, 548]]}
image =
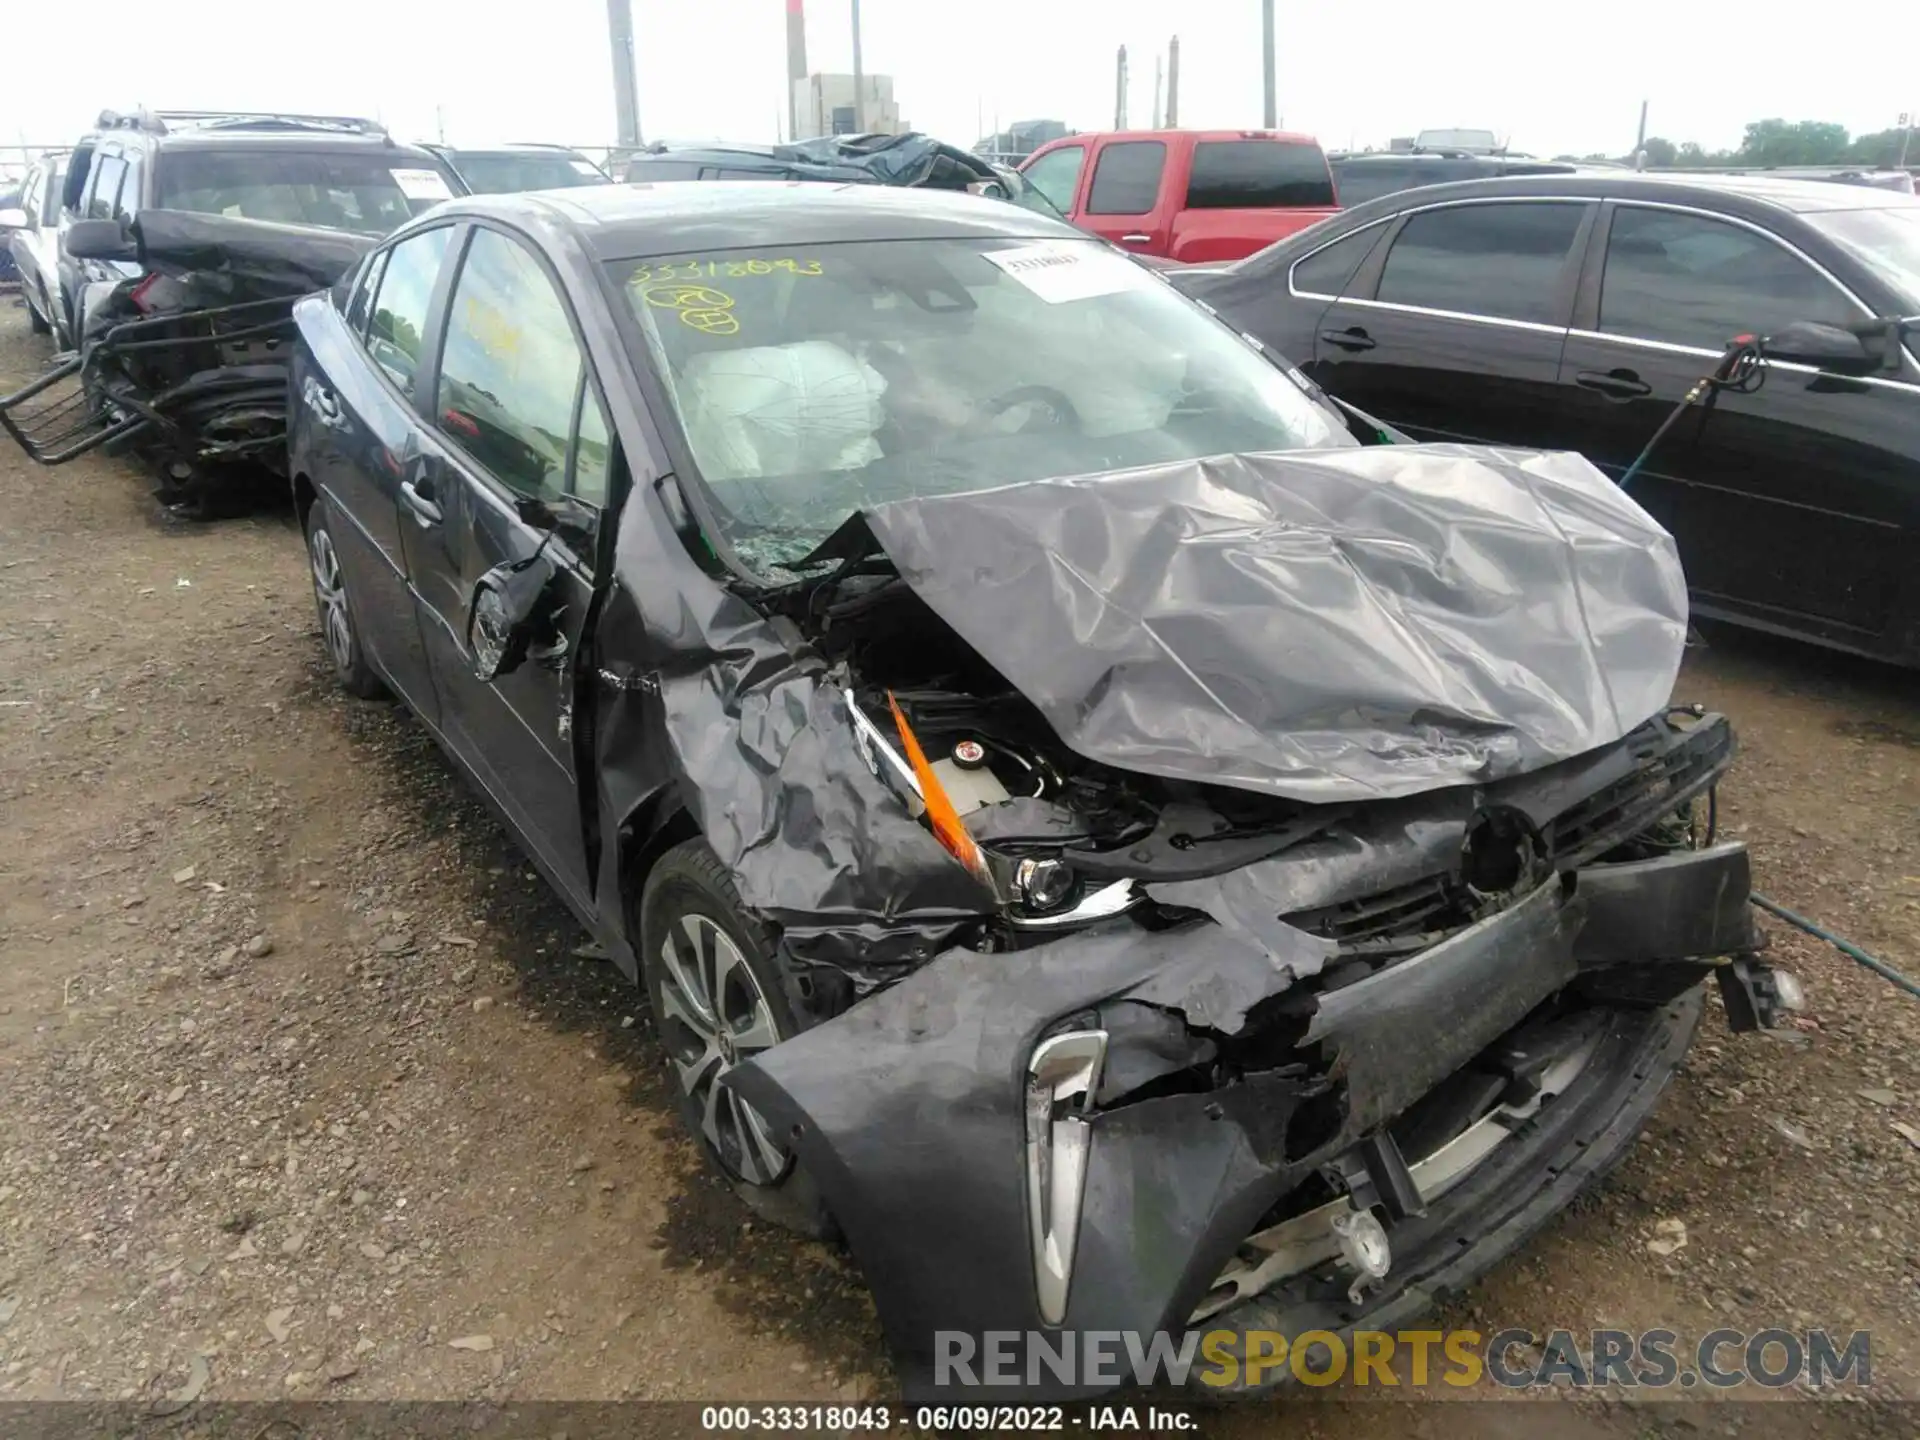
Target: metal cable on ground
{"points": [[1845, 947]]}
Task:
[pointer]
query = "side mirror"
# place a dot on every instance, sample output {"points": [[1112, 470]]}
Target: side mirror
{"points": [[1825, 347], [13, 219], [100, 240], [505, 615]]}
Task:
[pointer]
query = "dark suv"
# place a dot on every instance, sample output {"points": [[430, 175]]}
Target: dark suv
{"points": [[326, 171], [512, 169], [1360, 178], [908, 159]]}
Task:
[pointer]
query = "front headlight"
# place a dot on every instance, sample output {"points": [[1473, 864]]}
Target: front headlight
{"points": [[1062, 1076], [1044, 885]]}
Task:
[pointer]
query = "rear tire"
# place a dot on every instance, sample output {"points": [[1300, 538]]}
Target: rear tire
{"points": [[339, 632], [718, 996]]}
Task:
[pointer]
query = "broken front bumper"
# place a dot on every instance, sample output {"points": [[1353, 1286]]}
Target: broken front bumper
{"points": [[910, 1110]]}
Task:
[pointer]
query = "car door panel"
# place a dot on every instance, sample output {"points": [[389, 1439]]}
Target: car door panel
{"points": [[1788, 501], [1127, 184], [514, 731], [505, 353], [367, 433], [1426, 339]]}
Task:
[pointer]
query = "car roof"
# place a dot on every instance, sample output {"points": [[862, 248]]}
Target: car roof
{"points": [[626, 222], [270, 140], [1731, 192]]}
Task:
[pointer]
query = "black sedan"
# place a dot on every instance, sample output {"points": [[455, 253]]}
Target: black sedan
{"points": [[1576, 311], [1101, 827]]}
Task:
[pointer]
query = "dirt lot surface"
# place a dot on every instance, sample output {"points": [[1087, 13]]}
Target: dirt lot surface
{"points": [[299, 1073]]}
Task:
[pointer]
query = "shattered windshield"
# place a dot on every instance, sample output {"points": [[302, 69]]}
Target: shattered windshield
{"points": [[1885, 241], [816, 381], [365, 194], [512, 174]]}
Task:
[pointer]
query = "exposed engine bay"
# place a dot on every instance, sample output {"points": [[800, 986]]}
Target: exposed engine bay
{"points": [[1067, 841]]}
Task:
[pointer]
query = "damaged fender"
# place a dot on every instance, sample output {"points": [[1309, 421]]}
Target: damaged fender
{"points": [[908, 1110]]}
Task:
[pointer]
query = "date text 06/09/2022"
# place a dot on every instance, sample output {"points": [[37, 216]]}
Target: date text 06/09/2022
{"points": [[792, 1419]]}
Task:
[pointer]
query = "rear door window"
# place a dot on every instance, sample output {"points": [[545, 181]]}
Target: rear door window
{"points": [[128, 205], [1126, 178], [74, 188], [1056, 175], [1688, 280], [1506, 262], [104, 187], [31, 195], [363, 291], [1327, 271], [399, 323], [1258, 174]]}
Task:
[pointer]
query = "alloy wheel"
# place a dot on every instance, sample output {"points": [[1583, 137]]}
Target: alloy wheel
{"points": [[330, 589], [714, 1016]]}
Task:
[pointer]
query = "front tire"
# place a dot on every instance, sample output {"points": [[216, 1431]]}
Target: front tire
{"points": [[718, 997], [338, 632], [37, 315]]}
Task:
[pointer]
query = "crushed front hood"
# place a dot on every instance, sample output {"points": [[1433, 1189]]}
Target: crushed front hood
{"points": [[258, 255], [1321, 626]]}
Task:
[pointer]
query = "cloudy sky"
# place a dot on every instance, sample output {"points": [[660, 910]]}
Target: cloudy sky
{"points": [[1553, 79]]}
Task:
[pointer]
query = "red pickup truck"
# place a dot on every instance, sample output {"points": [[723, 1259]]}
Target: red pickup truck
{"points": [[1187, 195]]}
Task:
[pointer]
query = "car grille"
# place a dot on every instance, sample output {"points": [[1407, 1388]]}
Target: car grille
{"points": [[1415, 915]]}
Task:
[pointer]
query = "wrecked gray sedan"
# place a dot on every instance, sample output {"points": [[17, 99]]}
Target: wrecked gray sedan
{"points": [[1103, 829]]}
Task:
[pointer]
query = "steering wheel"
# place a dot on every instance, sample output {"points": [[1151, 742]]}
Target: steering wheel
{"points": [[1047, 408]]}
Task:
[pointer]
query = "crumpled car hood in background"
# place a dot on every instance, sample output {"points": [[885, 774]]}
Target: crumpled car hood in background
{"points": [[1326, 626], [258, 255]]}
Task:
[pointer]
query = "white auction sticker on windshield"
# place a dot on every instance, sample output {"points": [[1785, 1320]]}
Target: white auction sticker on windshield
{"points": [[421, 184], [1058, 273]]}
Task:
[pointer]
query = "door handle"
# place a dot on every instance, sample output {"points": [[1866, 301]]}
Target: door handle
{"points": [[1136, 239], [418, 497], [1614, 384], [1352, 338]]}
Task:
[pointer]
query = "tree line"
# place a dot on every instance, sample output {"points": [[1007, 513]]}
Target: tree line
{"points": [[1781, 142]]}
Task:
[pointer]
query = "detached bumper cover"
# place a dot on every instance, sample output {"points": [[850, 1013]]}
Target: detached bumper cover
{"points": [[907, 1109]]}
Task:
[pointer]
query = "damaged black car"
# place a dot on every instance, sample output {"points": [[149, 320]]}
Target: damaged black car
{"points": [[1104, 830], [186, 238]]}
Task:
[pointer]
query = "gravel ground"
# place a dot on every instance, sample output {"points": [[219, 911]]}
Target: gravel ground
{"points": [[300, 1073]]}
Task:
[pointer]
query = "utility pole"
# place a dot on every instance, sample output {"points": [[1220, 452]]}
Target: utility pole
{"points": [[1906, 134], [1173, 83], [1157, 83], [859, 78], [1640, 140], [1270, 112], [1120, 90], [796, 63], [626, 100]]}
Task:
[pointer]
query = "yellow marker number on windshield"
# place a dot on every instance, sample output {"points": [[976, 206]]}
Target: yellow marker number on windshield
{"points": [[707, 310], [730, 269]]}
